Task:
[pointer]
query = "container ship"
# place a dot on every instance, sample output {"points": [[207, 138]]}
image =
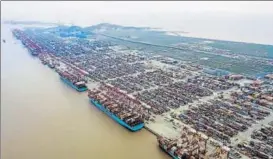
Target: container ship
{"points": [[163, 145], [73, 81], [122, 113], [189, 145], [33, 48]]}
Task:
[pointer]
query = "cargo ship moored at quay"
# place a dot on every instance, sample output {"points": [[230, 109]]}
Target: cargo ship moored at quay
{"points": [[32, 47], [72, 81], [191, 144], [184, 147], [128, 119]]}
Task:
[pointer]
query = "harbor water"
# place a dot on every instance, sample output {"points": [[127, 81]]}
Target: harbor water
{"points": [[43, 118]]}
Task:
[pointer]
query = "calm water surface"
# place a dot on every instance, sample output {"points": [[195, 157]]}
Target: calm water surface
{"points": [[42, 118]]}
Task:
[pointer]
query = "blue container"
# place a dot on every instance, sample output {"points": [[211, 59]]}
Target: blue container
{"points": [[114, 117]]}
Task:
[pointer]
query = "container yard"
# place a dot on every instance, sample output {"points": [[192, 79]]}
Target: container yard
{"points": [[218, 114]]}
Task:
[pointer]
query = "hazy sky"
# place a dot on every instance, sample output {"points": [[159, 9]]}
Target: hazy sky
{"points": [[228, 20]]}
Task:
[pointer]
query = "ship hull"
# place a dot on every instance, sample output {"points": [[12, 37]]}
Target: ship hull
{"points": [[50, 66], [34, 53], [115, 118], [170, 154], [72, 85]]}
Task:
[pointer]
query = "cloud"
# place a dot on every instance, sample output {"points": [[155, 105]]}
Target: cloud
{"points": [[52, 11], [229, 20]]}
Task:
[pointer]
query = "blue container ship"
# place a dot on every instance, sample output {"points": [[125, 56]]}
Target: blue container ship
{"points": [[164, 148], [171, 148], [78, 85], [32, 47], [188, 145], [130, 120]]}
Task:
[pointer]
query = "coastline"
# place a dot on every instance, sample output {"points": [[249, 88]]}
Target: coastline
{"points": [[166, 120]]}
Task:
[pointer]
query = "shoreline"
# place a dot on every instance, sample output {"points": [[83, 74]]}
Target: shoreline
{"points": [[164, 120]]}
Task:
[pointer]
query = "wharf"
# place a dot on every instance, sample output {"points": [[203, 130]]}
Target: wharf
{"points": [[151, 131]]}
